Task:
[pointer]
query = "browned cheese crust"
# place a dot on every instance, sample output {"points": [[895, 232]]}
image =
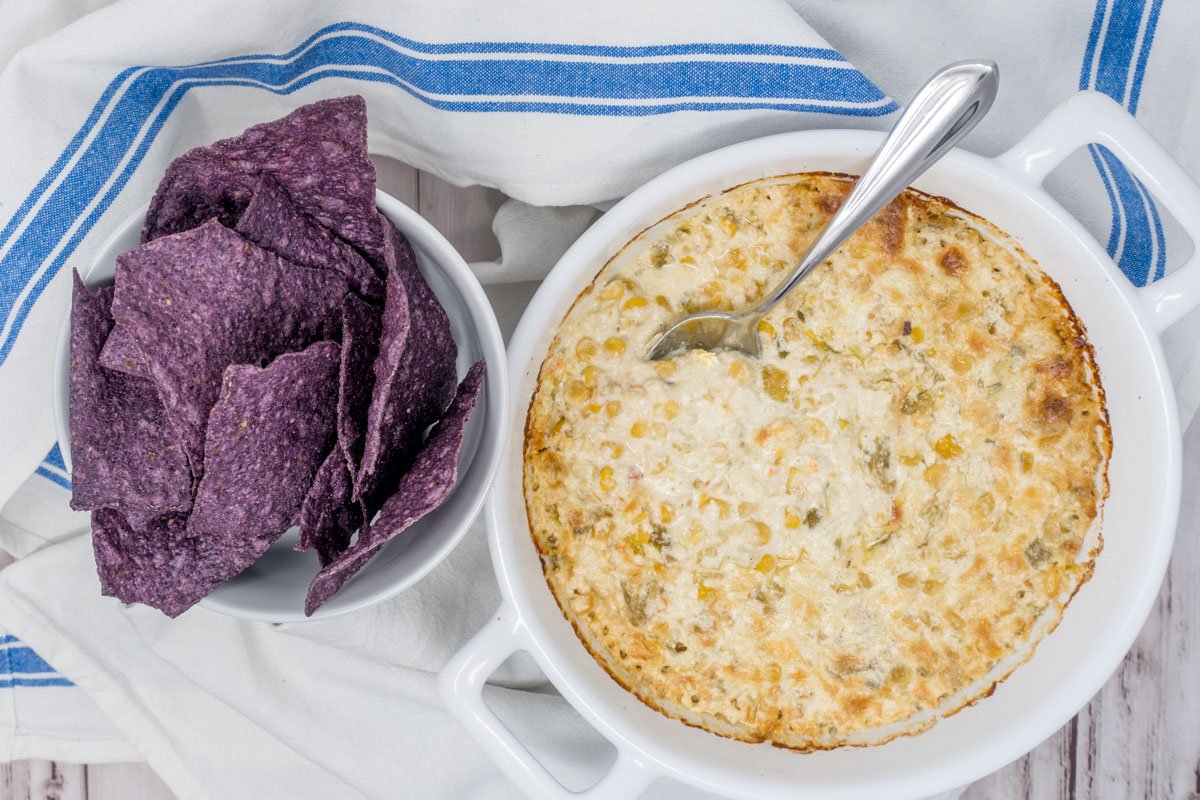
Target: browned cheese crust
{"points": [[865, 528]]}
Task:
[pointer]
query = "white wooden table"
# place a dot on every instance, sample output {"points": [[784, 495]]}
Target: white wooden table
{"points": [[1139, 738]]}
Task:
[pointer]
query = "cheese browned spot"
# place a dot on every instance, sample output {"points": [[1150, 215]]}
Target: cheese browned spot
{"points": [[873, 521]]}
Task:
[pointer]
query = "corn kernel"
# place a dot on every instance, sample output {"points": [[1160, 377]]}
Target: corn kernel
{"points": [[729, 223], [817, 340], [663, 301], [900, 674], [774, 672], [918, 335], [764, 532], [1026, 462], [586, 349], [666, 513], [591, 408], [706, 500], [638, 429], [637, 301], [614, 450], [930, 586], [665, 369], [710, 295], [817, 430], [589, 375], [738, 258], [960, 363], [910, 461], [765, 564], [843, 424], [745, 509], [615, 345], [613, 291], [793, 331], [607, 482], [577, 392], [935, 474], [906, 579], [791, 520], [775, 382], [766, 327], [946, 447], [864, 580], [704, 592], [660, 570], [739, 371], [671, 409], [795, 480]]}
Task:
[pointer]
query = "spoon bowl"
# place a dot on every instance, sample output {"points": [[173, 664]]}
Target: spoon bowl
{"points": [[708, 330]]}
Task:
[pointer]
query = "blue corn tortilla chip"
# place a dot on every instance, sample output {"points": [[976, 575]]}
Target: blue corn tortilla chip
{"points": [[360, 346], [423, 488], [122, 354], [124, 454], [199, 301], [318, 153], [274, 222], [198, 186], [414, 371], [155, 563], [267, 436], [328, 517]]}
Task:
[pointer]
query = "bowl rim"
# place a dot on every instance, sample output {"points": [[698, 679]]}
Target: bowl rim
{"points": [[481, 319]]}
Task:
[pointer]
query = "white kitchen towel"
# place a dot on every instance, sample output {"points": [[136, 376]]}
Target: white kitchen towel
{"points": [[563, 109]]}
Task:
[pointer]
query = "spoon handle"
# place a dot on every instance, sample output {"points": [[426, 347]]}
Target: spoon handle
{"points": [[942, 112]]}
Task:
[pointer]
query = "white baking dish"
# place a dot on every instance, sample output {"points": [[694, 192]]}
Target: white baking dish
{"points": [[1068, 667]]}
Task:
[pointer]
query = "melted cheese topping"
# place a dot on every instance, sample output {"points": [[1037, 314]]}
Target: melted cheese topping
{"points": [[854, 529]]}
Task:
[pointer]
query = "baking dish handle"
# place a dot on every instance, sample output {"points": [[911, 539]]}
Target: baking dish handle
{"points": [[461, 683], [1094, 118]]}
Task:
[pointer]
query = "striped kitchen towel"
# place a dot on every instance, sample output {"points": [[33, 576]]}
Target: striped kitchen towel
{"points": [[564, 109], [43, 707]]}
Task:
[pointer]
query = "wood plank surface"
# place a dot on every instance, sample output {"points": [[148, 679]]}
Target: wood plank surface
{"points": [[125, 782], [1139, 738], [44, 780]]}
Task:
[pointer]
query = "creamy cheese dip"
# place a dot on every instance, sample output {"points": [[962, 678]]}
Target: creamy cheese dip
{"points": [[853, 529]]}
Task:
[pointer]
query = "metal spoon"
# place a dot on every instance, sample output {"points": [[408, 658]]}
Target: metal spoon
{"points": [[942, 112]]}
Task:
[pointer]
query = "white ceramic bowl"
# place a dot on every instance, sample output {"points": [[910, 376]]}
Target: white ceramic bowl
{"points": [[273, 589], [1068, 667]]}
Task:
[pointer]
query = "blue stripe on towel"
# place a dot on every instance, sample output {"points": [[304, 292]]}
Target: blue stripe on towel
{"points": [[9, 683], [21, 666], [53, 477], [1114, 63], [54, 469]]}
